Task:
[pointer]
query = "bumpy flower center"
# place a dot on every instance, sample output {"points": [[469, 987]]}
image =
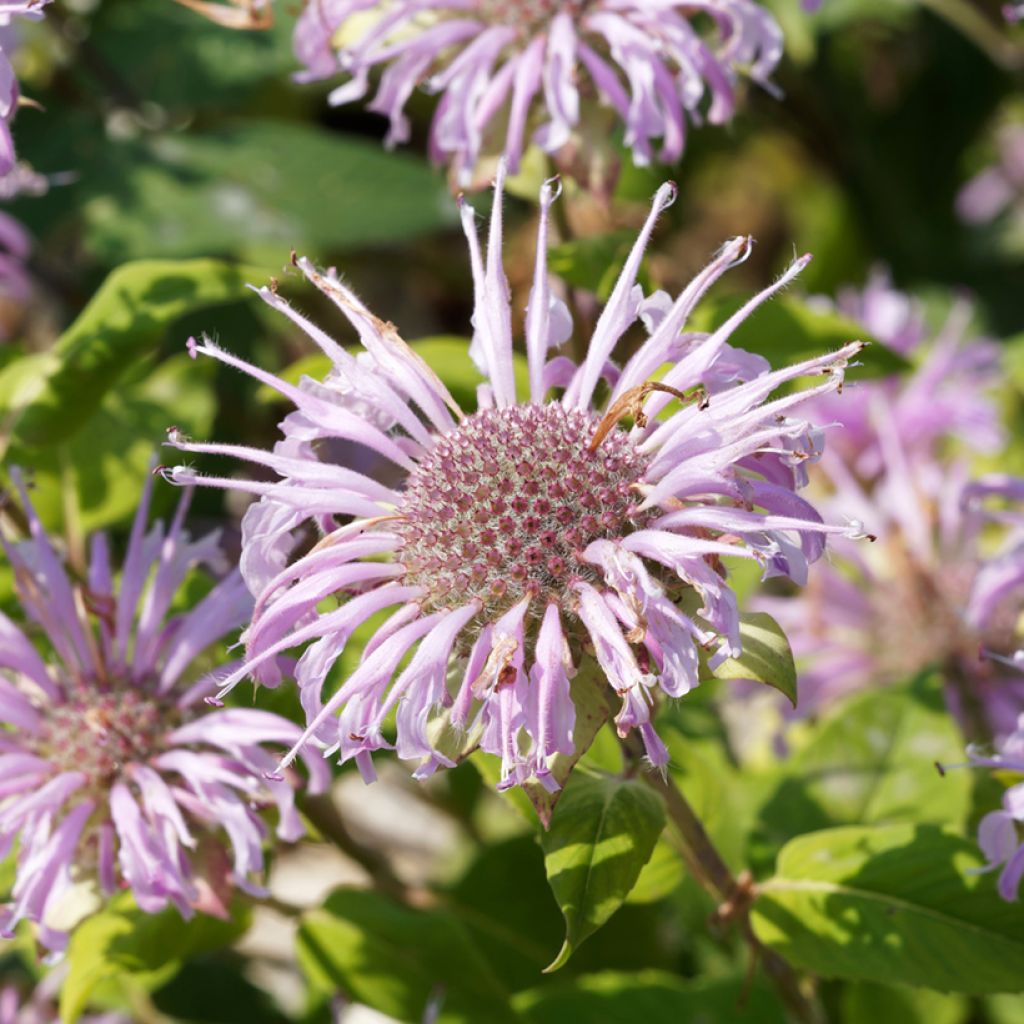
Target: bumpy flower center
{"points": [[530, 15], [99, 732], [919, 619], [503, 507]]}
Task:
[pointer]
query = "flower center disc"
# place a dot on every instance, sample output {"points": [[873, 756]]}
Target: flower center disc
{"points": [[98, 733], [531, 15], [503, 507]]}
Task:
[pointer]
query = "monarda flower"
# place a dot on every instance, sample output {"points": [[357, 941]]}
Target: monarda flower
{"points": [[510, 72], [10, 94], [944, 584], [531, 533], [113, 772]]}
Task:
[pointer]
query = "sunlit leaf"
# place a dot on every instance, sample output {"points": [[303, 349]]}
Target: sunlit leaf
{"points": [[602, 833], [898, 904]]}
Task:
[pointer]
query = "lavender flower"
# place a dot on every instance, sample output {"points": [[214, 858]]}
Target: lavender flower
{"points": [[534, 530], [40, 1005], [948, 396], [932, 591], [999, 188], [111, 774], [509, 68], [9, 92], [998, 834]]}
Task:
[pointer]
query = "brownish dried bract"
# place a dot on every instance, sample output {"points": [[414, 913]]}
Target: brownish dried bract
{"points": [[241, 14]]}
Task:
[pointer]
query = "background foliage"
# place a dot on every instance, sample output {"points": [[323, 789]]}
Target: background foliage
{"points": [[195, 166]]}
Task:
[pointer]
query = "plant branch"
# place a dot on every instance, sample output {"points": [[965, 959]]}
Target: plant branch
{"points": [[735, 895]]}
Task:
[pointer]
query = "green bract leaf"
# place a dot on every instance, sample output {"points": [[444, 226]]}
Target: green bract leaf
{"points": [[896, 904], [767, 657], [122, 940], [788, 330], [395, 959], [602, 833], [873, 762], [124, 322]]}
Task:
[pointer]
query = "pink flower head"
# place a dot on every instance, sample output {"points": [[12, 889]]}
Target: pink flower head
{"points": [[113, 772], [931, 592], [528, 533], [514, 71], [9, 92]]}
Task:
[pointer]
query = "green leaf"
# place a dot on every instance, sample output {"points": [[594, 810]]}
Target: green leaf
{"points": [[395, 959], [660, 876], [767, 657], [256, 188], [864, 1002], [899, 904], [221, 64], [125, 321], [102, 468], [651, 997], [594, 262], [505, 903], [873, 762], [788, 330], [602, 833], [122, 940]]}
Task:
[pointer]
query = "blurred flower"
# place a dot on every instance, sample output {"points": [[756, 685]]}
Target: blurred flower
{"points": [[1000, 186], [111, 774], [948, 395], [998, 835], [243, 14], [506, 68], [10, 95], [40, 1005], [532, 531], [1014, 11], [945, 582]]}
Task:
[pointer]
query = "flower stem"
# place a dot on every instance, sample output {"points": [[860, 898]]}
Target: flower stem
{"points": [[735, 894], [992, 41]]}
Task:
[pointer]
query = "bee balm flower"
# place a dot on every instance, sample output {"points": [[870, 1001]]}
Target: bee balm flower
{"points": [[529, 65], [531, 532], [113, 773]]}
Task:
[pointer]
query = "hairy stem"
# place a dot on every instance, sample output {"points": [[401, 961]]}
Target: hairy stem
{"points": [[734, 895]]}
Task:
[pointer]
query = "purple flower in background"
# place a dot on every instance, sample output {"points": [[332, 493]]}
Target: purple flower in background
{"points": [[948, 396], [9, 92], [514, 71], [531, 532], [39, 1006], [939, 588], [1000, 186], [998, 834], [113, 772]]}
